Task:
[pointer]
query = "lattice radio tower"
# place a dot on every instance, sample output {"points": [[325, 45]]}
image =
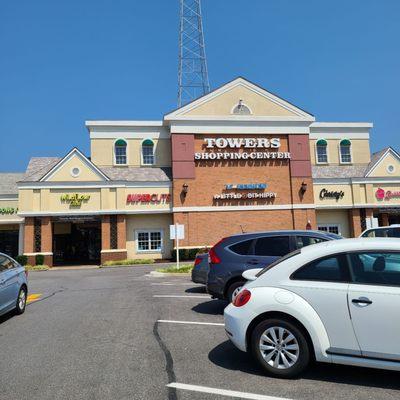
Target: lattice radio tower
{"points": [[192, 74]]}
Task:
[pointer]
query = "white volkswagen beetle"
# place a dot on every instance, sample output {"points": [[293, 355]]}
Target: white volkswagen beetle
{"points": [[336, 302]]}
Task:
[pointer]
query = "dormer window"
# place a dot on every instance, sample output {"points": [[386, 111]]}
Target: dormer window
{"points": [[241, 109], [148, 152], [120, 152], [322, 153], [345, 151]]}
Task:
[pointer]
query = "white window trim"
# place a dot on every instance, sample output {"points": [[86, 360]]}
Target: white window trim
{"points": [[243, 104], [154, 154], [316, 154], [331, 225], [351, 154], [73, 174], [115, 156], [150, 250]]}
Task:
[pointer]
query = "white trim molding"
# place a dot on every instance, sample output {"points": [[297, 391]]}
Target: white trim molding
{"points": [[93, 185], [43, 253], [91, 213], [394, 153], [245, 208], [113, 250]]}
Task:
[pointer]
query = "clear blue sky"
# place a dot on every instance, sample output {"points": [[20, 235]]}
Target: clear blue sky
{"points": [[63, 62]]}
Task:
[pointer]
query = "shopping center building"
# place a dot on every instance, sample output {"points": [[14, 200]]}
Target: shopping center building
{"points": [[238, 159]]}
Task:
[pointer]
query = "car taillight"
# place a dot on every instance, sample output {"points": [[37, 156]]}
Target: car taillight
{"points": [[197, 261], [242, 298], [212, 255]]}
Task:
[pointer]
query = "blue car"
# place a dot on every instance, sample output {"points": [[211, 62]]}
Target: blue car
{"points": [[13, 285]]}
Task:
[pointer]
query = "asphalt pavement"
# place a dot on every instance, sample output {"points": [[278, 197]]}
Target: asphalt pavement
{"points": [[122, 334]]}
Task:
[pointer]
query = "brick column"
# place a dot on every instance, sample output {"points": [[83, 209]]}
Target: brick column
{"points": [[105, 232], [29, 239], [47, 240], [121, 229], [355, 222], [108, 254], [385, 219]]}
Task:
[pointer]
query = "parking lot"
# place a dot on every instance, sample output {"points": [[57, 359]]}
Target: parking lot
{"points": [[123, 334]]}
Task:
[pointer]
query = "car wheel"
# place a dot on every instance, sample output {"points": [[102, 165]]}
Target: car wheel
{"points": [[280, 347], [234, 289], [21, 301]]}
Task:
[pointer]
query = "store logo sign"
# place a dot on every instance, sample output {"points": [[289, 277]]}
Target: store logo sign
{"points": [[75, 200], [381, 194], [148, 198], [331, 194], [248, 143], [8, 210], [247, 186]]}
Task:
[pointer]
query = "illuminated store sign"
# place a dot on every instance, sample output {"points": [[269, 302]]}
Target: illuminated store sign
{"points": [[246, 186], [8, 210], [148, 198], [245, 143], [75, 200], [331, 194], [381, 194], [244, 196]]}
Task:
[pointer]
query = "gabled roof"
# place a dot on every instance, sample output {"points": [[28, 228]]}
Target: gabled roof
{"points": [[179, 112], [8, 182], [378, 157]]}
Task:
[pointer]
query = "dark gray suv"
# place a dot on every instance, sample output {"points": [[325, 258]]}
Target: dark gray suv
{"points": [[233, 255]]}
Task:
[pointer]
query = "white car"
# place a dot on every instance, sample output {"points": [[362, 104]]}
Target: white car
{"points": [[335, 302]]}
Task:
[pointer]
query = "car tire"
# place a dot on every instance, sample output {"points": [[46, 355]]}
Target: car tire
{"points": [[285, 352], [233, 289], [21, 301]]}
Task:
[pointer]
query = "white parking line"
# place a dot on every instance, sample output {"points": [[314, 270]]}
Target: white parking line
{"points": [[172, 284], [168, 321], [223, 392], [182, 296]]}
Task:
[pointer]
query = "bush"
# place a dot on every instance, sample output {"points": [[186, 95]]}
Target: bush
{"points": [[188, 254], [183, 269], [39, 259], [37, 267], [21, 259], [127, 262]]}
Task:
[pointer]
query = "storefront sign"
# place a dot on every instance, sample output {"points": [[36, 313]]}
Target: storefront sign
{"points": [[246, 186], [381, 194], [244, 196], [75, 200], [245, 143], [331, 194], [148, 198], [8, 210]]}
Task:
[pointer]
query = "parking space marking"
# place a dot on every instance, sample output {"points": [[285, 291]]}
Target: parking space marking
{"points": [[173, 284], [168, 321], [33, 297], [223, 392], [181, 296]]}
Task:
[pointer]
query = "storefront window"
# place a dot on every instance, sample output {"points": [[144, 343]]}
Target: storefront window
{"points": [[120, 152], [322, 154], [332, 228], [345, 151], [148, 152], [149, 241]]}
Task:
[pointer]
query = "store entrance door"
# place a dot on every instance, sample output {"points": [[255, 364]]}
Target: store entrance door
{"points": [[9, 242], [76, 241]]}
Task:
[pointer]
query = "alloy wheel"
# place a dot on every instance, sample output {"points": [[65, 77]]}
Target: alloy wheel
{"points": [[21, 299]]}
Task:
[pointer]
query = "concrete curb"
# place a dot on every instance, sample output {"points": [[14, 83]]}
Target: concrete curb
{"points": [[158, 274]]}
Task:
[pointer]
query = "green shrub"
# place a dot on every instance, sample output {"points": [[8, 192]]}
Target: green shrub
{"points": [[37, 267], [183, 269], [188, 254], [39, 259], [127, 262], [21, 259]]}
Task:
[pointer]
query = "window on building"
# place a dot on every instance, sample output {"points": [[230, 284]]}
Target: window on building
{"points": [[322, 153], [328, 269], [149, 241], [120, 152], [241, 109], [148, 152], [331, 228], [272, 246], [345, 151]]}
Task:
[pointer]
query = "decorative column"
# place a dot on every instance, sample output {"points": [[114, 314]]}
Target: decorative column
{"points": [[29, 240], [355, 222], [47, 240], [113, 238], [385, 219]]}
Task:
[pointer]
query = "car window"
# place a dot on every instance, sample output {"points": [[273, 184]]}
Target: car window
{"points": [[278, 261], [376, 268], [378, 233], [272, 246], [242, 248], [396, 232], [327, 269], [302, 241], [6, 263]]}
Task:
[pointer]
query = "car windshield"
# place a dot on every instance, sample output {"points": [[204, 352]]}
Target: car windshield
{"points": [[278, 261]]}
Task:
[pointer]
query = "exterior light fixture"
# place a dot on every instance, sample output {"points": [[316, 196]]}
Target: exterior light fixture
{"points": [[303, 187], [185, 189]]}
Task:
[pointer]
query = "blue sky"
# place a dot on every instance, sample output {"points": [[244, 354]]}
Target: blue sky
{"points": [[63, 62]]}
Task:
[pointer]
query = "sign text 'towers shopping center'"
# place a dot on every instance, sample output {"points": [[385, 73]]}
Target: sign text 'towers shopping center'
{"points": [[245, 143]]}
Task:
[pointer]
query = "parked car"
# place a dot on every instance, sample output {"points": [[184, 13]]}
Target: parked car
{"points": [[382, 231], [200, 269], [233, 255], [13, 285], [337, 302]]}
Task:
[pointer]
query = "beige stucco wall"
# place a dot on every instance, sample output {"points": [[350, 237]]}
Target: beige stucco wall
{"points": [[148, 222], [8, 211], [381, 168], [102, 152], [359, 148], [346, 200], [224, 103], [335, 217]]}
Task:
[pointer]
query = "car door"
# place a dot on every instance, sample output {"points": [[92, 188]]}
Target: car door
{"points": [[267, 249], [8, 283], [374, 302], [324, 284]]}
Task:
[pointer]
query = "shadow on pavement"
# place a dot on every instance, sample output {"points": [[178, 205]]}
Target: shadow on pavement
{"points": [[227, 356], [6, 317], [213, 307], [197, 289]]}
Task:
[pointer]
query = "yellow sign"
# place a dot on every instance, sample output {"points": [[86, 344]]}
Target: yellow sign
{"points": [[75, 200]]}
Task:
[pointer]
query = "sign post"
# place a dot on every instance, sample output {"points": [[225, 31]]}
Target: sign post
{"points": [[177, 232]]}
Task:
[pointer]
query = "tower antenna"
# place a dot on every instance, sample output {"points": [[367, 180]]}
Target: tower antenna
{"points": [[192, 75]]}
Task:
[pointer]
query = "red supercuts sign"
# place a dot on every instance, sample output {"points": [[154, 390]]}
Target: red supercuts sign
{"points": [[148, 198]]}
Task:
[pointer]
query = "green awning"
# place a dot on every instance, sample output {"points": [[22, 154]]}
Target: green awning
{"points": [[322, 142], [345, 142], [120, 142], [148, 142]]}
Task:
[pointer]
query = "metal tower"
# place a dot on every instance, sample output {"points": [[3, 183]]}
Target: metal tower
{"points": [[193, 74]]}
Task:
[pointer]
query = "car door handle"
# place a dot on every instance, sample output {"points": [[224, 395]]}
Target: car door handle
{"points": [[362, 301]]}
